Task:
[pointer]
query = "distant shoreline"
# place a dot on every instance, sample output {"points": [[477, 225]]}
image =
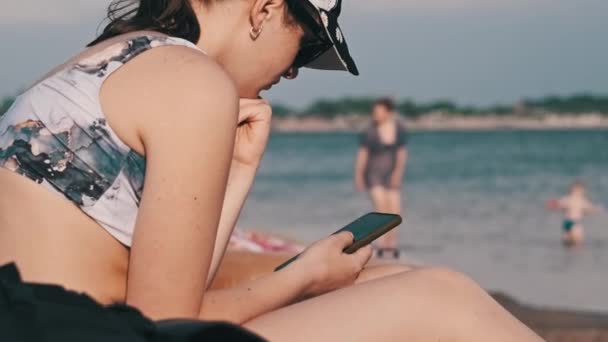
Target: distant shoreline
{"points": [[445, 122]]}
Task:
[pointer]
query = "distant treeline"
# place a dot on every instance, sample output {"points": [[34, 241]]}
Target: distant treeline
{"points": [[576, 104]]}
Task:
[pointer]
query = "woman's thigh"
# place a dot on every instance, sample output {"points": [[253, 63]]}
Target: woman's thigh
{"points": [[373, 272], [393, 200], [379, 198], [421, 305]]}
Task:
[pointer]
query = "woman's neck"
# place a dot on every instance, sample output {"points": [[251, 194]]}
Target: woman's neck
{"points": [[217, 29], [388, 121]]}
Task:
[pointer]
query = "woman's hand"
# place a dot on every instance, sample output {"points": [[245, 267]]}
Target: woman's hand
{"points": [[252, 132], [328, 267], [323, 267]]}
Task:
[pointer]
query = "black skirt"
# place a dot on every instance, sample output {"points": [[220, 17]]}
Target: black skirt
{"points": [[48, 313]]}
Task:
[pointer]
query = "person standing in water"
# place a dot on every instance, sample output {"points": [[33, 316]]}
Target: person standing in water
{"points": [[380, 165], [575, 206]]}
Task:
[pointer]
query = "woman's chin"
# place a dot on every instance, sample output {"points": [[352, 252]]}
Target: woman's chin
{"points": [[265, 89]]}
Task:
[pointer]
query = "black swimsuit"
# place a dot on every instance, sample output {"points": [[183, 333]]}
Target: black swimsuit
{"points": [[382, 158]]}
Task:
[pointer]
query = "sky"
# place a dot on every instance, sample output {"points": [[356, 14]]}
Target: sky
{"points": [[475, 52]]}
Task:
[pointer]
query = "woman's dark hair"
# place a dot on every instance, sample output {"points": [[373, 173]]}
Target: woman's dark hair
{"points": [[172, 17], [385, 102]]}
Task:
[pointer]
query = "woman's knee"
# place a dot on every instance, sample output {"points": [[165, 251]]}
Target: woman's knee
{"points": [[446, 285], [466, 307], [449, 293]]}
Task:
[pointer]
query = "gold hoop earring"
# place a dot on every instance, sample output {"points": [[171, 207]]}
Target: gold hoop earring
{"points": [[255, 33]]}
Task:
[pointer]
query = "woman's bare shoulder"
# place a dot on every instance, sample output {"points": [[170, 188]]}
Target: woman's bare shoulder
{"points": [[178, 71], [172, 81]]}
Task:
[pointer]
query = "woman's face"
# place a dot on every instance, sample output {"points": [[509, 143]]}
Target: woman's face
{"points": [[380, 113]]}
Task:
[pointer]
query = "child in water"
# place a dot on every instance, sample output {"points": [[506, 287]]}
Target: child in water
{"points": [[575, 206]]}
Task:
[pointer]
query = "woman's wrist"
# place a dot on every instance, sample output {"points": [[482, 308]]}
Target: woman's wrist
{"points": [[301, 277], [242, 173]]}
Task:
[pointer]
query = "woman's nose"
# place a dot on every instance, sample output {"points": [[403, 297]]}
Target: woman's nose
{"points": [[291, 73]]}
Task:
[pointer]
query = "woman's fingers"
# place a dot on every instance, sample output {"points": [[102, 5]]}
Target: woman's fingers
{"points": [[363, 255], [254, 110], [343, 239]]}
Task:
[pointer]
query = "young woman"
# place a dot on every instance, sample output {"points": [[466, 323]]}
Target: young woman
{"points": [[380, 165], [125, 169]]}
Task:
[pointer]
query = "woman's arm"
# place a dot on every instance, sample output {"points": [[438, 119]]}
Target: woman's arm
{"points": [[186, 111], [401, 157], [400, 166], [239, 184], [251, 139], [254, 298], [401, 162], [321, 268], [360, 165]]}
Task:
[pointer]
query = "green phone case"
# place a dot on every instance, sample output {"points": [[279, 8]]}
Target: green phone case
{"points": [[364, 236]]}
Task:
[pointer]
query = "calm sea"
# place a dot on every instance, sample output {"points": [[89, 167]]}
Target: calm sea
{"points": [[475, 202]]}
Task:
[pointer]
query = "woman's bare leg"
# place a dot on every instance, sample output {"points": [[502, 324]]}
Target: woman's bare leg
{"points": [[380, 271], [421, 305], [379, 199], [381, 203], [393, 202]]}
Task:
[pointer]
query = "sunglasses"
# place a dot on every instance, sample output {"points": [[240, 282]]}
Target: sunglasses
{"points": [[314, 42]]}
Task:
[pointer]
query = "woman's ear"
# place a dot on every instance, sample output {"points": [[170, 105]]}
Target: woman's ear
{"points": [[263, 11]]}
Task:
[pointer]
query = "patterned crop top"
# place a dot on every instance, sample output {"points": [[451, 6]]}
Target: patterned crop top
{"points": [[56, 134]]}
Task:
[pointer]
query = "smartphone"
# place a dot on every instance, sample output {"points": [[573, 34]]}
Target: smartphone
{"points": [[365, 229]]}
